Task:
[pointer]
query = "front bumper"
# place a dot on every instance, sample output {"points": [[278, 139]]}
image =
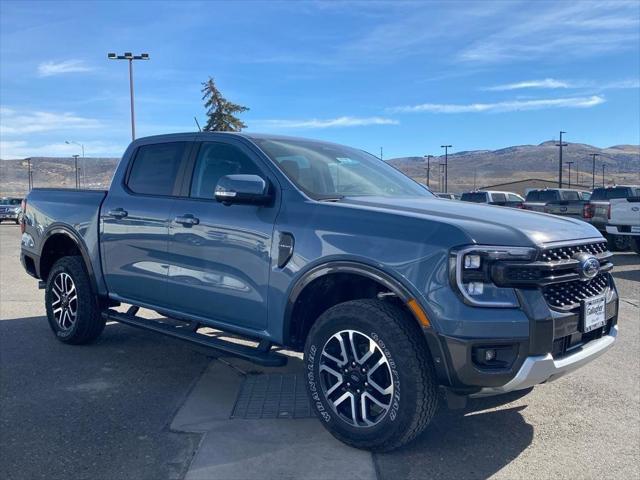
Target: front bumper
{"points": [[544, 368]]}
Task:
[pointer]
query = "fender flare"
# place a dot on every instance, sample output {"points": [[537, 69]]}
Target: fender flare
{"points": [[61, 229], [340, 266]]}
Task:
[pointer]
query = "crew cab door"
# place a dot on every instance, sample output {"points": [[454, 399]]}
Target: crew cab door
{"points": [[135, 223], [221, 254]]}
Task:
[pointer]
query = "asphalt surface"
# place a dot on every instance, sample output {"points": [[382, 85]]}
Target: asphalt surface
{"points": [[105, 410]]}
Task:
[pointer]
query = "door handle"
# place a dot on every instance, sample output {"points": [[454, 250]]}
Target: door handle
{"points": [[118, 213], [187, 220]]}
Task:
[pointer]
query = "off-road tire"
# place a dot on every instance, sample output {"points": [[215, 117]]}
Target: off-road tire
{"points": [[415, 396], [88, 323], [635, 244]]}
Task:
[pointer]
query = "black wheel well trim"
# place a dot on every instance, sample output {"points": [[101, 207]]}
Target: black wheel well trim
{"points": [[341, 266], [58, 229]]}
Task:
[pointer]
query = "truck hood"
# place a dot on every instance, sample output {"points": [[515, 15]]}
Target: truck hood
{"points": [[485, 224]]}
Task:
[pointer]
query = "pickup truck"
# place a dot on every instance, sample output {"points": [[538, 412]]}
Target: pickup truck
{"points": [[600, 211], [392, 294], [10, 209], [491, 197], [624, 220], [565, 202]]}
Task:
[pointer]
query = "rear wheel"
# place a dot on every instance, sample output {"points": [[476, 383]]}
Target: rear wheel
{"points": [[72, 308], [369, 375]]}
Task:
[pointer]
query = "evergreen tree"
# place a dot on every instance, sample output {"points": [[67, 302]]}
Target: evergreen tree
{"points": [[221, 113]]}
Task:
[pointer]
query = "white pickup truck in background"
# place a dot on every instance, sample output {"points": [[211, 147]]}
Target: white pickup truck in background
{"points": [[624, 219]]}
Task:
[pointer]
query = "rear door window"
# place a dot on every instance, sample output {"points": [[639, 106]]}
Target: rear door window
{"points": [[155, 168], [533, 196], [514, 198], [548, 195]]}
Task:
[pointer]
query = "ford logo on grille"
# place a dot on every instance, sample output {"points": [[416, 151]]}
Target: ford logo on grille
{"points": [[589, 265]]}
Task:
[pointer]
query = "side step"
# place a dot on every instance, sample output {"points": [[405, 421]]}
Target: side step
{"points": [[262, 355]]}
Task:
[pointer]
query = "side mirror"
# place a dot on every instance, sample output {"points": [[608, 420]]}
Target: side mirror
{"points": [[248, 189]]}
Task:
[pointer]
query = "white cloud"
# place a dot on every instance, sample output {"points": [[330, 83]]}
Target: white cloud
{"points": [[20, 123], [508, 106], [559, 30], [48, 69], [328, 123], [545, 83], [10, 149]]}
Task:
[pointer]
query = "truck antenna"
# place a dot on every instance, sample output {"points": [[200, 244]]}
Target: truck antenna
{"points": [[196, 120]]}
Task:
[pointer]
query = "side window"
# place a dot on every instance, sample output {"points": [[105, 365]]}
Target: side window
{"points": [[499, 197], [155, 168], [514, 198], [533, 196], [215, 160]]}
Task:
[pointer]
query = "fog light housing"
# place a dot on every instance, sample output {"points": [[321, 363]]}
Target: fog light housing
{"points": [[494, 356]]}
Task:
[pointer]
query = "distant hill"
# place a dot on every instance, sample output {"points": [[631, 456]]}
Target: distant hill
{"points": [[94, 173], [622, 163]]}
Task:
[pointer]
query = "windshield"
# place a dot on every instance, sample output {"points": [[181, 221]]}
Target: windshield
{"points": [[326, 171], [10, 201]]}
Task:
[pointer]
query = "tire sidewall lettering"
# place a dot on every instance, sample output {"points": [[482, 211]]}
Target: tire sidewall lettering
{"points": [[395, 405]]}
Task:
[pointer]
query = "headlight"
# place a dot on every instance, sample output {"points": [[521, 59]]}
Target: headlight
{"points": [[470, 274]]}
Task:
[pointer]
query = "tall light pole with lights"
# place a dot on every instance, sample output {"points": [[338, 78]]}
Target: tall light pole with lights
{"points": [[130, 57], [84, 166]]}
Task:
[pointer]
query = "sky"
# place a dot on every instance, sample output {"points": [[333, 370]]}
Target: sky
{"points": [[405, 76]]}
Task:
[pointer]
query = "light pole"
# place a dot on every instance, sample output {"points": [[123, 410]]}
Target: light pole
{"points": [[75, 158], [380, 153], [570, 163], [446, 166], [593, 170], [71, 142], [428, 157], [560, 164], [603, 165], [130, 57]]}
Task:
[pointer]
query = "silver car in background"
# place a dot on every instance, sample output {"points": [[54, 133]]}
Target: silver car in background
{"points": [[11, 209]]}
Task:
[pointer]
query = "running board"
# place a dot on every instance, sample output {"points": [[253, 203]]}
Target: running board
{"points": [[261, 355]]}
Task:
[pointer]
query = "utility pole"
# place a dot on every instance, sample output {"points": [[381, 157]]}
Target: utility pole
{"points": [[560, 165], [570, 163], [446, 166], [603, 165], [130, 57], [577, 174], [29, 174], [440, 177], [75, 159], [428, 157], [593, 170]]}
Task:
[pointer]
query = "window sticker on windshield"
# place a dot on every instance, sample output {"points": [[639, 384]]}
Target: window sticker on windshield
{"points": [[346, 161]]}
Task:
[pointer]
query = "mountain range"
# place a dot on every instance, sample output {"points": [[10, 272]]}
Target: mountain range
{"points": [[467, 169]]}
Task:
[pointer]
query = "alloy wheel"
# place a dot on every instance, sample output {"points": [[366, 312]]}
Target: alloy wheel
{"points": [[65, 301], [356, 378]]}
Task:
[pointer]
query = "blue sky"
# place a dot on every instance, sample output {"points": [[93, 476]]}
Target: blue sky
{"points": [[408, 76]]}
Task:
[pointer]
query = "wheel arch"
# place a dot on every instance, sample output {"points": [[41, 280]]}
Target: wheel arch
{"points": [[296, 325], [61, 241]]}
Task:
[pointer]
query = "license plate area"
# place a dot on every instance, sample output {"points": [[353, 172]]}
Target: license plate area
{"points": [[593, 313]]}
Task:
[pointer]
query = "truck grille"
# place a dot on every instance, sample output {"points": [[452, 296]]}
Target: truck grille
{"points": [[567, 253], [568, 295]]}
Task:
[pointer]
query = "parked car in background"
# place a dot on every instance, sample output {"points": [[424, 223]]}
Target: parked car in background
{"points": [[448, 196], [558, 201], [10, 209], [392, 294], [624, 220], [599, 212], [493, 197]]}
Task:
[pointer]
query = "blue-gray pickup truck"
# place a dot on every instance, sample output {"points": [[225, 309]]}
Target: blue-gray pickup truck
{"points": [[393, 295]]}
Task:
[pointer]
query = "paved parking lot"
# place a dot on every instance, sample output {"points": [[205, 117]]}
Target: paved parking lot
{"points": [[138, 405]]}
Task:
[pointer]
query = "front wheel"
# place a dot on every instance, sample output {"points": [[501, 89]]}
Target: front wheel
{"points": [[72, 308], [369, 375], [618, 243]]}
